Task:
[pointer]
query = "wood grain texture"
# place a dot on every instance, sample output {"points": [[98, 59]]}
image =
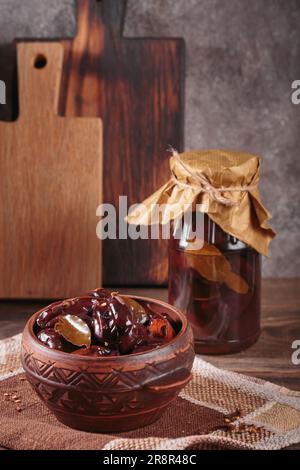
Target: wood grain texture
{"points": [[136, 86], [50, 170]]}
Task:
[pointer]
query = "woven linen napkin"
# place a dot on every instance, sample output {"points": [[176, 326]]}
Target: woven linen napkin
{"points": [[216, 410]]}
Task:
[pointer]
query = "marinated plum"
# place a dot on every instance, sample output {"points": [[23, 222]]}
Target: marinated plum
{"points": [[122, 313], [51, 338], [136, 336], [49, 314], [104, 327], [105, 323]]}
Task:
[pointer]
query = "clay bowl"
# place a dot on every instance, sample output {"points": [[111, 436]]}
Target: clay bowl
{"points": [[110, 394]]}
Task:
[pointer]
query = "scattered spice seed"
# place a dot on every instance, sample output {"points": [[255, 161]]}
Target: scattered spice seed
{"points": [[231, 426], [252, 429], [19, 409]]}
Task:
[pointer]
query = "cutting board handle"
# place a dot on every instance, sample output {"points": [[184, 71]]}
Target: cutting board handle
{"points": [[39, 71]]}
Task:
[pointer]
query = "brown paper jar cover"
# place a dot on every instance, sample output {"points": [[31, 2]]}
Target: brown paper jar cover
{"points": [[224, 183]]}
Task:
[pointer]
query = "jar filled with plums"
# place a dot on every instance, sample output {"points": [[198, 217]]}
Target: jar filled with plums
{"points": [[218, 232], [216, 279]]}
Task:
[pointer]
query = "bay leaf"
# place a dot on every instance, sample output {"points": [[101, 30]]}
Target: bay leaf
{"points": [[236, 283], [211, 264], [74, 330], [138, 311], [201, 247]]}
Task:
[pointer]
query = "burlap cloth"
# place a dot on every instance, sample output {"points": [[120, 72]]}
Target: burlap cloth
{"points": [[216, 410]]}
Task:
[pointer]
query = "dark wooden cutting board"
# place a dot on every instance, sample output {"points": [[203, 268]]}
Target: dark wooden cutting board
{"points": [[50, 187], [136, 86]]}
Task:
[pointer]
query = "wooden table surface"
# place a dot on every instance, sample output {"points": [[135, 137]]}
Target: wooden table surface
{"points": [[269, 359]]}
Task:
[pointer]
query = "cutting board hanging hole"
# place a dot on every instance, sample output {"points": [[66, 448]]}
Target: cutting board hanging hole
{"points": [[40, 61]]}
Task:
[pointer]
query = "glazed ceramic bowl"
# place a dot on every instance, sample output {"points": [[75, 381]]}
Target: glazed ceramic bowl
{"points": [[112, 393]]}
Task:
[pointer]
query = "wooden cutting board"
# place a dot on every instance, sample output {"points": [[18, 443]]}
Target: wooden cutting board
{"points": [[50, 170], [136, 86]]}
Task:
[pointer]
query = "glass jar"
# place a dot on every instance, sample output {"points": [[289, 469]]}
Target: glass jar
{"points": [[216, 280]]}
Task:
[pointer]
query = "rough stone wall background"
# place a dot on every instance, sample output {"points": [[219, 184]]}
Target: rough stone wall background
{"points": [[241, 58]]}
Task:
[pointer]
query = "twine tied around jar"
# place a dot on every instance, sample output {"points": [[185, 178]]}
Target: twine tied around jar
{"points": [[200, 182], [196, 178]]}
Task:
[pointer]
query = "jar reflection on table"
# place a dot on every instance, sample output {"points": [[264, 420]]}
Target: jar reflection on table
{"points": [[217, 285]]}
